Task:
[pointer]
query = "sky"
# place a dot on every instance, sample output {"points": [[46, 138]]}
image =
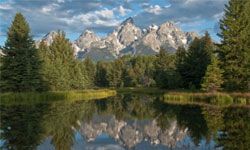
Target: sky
{"points": [[103, 16]]}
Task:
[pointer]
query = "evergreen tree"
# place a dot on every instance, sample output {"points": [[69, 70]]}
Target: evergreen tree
{"points": [[20, 69], [165, 74], [212, 80], [59, 64], [102, 72], [129, 77], [143, 68], [46, 67], [234, 50], [180, 61], [196, 62], [115, 74], [180, 57], [90, 70], [79, 76]]}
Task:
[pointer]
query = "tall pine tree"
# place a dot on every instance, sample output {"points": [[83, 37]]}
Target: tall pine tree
{"points": [[196, 62], [20, 69], [165, 75], [213, 79], [59, 63], [181, 54], [90, 71], [234, 50]]}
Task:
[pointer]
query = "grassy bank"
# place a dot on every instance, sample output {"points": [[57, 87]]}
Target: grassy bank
{"points": [[32, 97], [209, 98], [194, 97]]}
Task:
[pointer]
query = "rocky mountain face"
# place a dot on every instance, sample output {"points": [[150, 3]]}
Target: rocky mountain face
{"points": [[127, 38], [129, 133], [48, 38]]}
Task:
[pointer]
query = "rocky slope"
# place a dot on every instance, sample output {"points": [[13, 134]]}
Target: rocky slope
{"points": [[127, 38]]}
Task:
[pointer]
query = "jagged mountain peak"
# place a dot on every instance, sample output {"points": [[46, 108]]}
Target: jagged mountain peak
{"points": [[87, 32], [169, 27], [127, 38], [153, 27], [169, 23], [86, 38], [129, 20], [49, 37], [127, 32]]}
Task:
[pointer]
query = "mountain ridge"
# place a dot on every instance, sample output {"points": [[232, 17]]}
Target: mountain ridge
{"points": [[127, 38]]}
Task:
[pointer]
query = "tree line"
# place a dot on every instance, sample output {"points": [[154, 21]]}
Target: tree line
{"points": [[203, 65]]}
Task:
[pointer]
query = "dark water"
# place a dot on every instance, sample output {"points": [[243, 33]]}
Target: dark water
{"points": [[124, 122]]}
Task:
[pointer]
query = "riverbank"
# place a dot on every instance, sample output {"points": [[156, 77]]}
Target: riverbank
{"points": [[186, 96], [181, 96], [208, 98], [26, 97]]}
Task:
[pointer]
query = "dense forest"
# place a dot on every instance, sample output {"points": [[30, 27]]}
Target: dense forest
{"points": [[204, 65]]}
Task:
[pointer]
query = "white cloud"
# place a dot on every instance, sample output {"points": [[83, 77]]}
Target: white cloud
{"points": [[167, 6], [123, 11], [104, 17], [5, 7], [47, 9], [105, 13], [145, 4], [156, 9], [190, 1], [60, 1]]}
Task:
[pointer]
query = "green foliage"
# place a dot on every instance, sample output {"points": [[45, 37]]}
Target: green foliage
{"points": [[181, 55], [61, 58], [165, 74], [55, 67], [20, 67], [115, 74], [192, 67], [219, 99], [30, 98], [234, 49], [102, 72], [212, 80], [90, 70], [126, 71], [140, 71], [60, 69], [235, 133]]}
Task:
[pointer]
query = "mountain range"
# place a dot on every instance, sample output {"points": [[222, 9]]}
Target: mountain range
{"points": [[127, 38]]}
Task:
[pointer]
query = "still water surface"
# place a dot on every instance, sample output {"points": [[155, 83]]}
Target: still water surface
{"points": [[124, 122]]}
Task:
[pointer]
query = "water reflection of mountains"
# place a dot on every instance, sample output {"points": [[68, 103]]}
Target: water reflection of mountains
{"points": [[124, 121]]}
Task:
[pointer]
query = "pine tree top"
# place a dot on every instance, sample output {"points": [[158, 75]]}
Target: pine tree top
{"points": [[19, 30]]}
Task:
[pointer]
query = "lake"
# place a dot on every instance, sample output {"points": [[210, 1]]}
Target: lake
{"points": [[124, 121]]}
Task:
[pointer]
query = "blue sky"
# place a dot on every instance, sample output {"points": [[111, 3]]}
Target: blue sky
{"points": [[102, 16]]}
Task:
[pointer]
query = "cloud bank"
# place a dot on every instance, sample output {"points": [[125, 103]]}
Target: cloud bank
{"points": [[102, 16]]}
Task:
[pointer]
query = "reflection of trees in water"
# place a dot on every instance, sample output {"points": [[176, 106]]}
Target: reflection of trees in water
{"points": [[236, 129], [214, 120], [61, 119], [191, 116], [30, 124], [25, 126], [164, 113], [21, 126]]}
